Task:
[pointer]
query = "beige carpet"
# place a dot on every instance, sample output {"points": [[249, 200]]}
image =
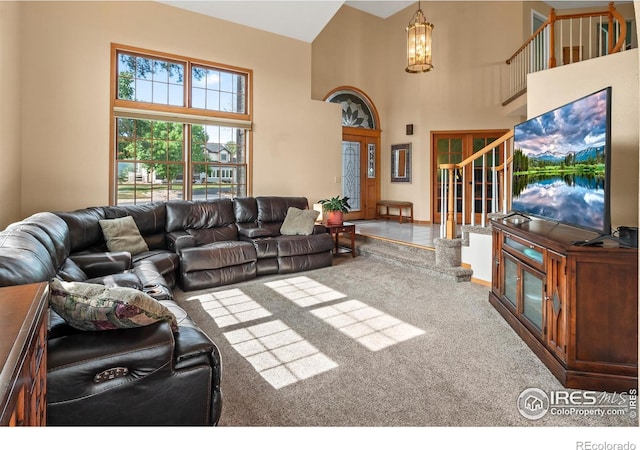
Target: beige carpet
{"points": [[366, 344]]}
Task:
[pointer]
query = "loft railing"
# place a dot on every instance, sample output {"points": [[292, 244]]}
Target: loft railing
{"points": [[490, 186], [565, 39]]}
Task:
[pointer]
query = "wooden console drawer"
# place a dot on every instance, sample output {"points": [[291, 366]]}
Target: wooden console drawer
{"points": [[532, 253]]}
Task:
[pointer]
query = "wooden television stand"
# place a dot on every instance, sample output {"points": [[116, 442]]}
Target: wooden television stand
{"points": [[575, 306]]}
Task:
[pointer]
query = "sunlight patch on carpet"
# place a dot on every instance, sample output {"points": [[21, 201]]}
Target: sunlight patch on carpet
{"points": [[230, 307], [304, 291], [279, 354], [367, 325]]}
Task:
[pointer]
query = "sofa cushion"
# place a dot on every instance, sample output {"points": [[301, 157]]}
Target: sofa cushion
{"points": [[23, 259], [304, 245], [93, 307], [123, 279], [150, 218], [299, 221], [245, 210], [70, 271], [51, 231], [257, 232], [274, 209], [217, 256], [122, 234], [212, 235], [199, 214], [164, 261], [84, 229]]}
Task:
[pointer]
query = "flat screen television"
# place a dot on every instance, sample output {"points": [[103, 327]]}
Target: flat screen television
{"points": [[561, 164]]}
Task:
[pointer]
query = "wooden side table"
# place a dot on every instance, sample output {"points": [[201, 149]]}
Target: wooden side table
{"points": [[335, 231]]}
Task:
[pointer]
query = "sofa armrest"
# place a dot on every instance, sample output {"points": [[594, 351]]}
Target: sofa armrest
{"points": [[104, 263], [177, 240], [319, 228], [88, 363], [254, 233], [138, 376]]}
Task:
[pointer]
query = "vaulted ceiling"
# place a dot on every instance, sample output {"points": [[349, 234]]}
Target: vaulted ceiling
{"points": [[305, 19], [302, 20]]}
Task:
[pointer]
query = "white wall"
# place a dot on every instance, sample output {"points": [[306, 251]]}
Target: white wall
{"points": [[477, 255]]}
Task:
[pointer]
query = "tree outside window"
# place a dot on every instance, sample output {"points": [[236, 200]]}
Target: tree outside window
{"points": [[165, 149]]}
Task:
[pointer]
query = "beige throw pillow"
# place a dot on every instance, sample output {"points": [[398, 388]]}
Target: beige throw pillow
{"points": [[299, 221], [122, 235]]}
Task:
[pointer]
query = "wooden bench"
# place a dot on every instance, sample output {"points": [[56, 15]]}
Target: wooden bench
{"points": [[399, 205]]}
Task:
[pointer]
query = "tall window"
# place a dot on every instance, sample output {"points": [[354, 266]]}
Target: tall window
{"points": [[181, 128]]}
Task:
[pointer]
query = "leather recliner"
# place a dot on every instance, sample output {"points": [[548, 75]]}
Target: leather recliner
{"points": [[138, 376], [259, 220], [150, 375]]}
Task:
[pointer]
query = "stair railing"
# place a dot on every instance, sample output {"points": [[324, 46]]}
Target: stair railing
{"points": [[565, 39], [495, 185]]}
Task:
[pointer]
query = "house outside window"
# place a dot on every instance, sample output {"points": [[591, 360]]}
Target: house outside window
{"points": [[182, 128]]}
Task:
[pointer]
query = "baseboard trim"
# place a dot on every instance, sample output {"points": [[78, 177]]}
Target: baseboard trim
{"points": [[475, 280], [481, 282]]}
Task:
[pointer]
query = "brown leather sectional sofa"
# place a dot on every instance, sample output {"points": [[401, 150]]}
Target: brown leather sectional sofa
{"points": [[171, 378]]}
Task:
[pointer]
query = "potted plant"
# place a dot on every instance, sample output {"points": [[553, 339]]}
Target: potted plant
{"points": [[336, 207]]}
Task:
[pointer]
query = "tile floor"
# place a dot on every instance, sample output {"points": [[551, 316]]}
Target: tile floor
{"points": [[415, 234]]}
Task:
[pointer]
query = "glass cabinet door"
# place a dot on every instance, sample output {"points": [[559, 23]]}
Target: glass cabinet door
{"points": [[523, 291], [510, 280], [532, 297]]}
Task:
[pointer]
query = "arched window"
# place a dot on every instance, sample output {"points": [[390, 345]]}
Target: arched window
{"points": [[356, 110]]}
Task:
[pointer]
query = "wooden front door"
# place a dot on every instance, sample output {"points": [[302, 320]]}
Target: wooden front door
{"points": [[360, 151], [361, 171], [452, 147]]}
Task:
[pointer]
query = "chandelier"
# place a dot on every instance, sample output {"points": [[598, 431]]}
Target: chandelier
{"points": [[419, 43]]}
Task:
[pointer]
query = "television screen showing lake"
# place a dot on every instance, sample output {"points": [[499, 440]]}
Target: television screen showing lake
{"points": [[560, 163], [573, 199]]}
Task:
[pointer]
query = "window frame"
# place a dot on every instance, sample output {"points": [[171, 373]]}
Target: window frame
{"points": [[185, 114]]}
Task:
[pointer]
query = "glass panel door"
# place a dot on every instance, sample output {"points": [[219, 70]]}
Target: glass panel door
{"points": [[360, 172], [453, 148], [510, 280], [351, 173], [449, 151], [483, 177], [532, 297]]}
